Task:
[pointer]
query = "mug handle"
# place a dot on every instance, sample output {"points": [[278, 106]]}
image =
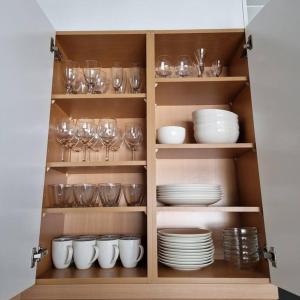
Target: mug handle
{"points": [[141, 253], [96, 254], [116, 254], [69, 255]]}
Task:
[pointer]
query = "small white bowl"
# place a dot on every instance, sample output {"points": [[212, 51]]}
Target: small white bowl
{"points": [[171, 135]]}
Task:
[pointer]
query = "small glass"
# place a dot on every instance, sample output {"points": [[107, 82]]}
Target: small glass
{"points": [[200, 55], [183, 66], [117, 74], [109, 194], [134, 194], [71, 72], [163, 66], [133, 137], [135, 78], [101, 84], [91, 72], [216, 68], [85, 194], [62, 194]]}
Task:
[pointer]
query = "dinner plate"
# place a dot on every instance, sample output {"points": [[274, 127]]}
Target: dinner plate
{"points": [[185, 257], [188, 242], [184, 232], [186, 262], [190, 185], [176, 202], [181, 267], [186, 253]]}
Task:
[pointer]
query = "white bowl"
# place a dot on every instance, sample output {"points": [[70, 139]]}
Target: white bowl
{"points": [[171, 135], [216, 122], [227, 128], [213, 113], [217, 136]]}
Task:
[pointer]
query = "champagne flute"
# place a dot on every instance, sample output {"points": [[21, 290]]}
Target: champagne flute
{"points": [[91, 72], [135, 78], [71, 72], [133, 137], [117, 77], [107, 132]]}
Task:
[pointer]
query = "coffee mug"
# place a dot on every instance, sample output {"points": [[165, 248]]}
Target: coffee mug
{"points": [[131, 251], [62, 252], [108, 252], [85, 252]]}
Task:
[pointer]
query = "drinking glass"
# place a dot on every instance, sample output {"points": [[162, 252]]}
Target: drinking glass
{"points": [[85, 194], [62, 194], [109, 193], [65, 132], [117, 142], [95, 144], [71, 70], [107, 132], [86, 129], [91, 72], [200, 55], [135, 78], [133, 137], [101, 83], [183, 66], [216, 68], [134, 194], [163, 66], [80, 86], [117, 77]]}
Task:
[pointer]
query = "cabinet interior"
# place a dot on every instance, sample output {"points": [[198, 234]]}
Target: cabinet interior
{"points": [[162, 101]]}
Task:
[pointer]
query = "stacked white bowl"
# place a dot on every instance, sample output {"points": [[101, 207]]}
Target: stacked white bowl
{"points": [[215, 126]]}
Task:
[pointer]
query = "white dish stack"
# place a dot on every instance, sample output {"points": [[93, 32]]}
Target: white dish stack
{"points": [[185, 249], [189, 194], [215, 126]]}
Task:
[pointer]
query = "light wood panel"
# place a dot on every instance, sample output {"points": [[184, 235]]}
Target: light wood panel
{"points": [[192, 151], [193, 91], [106, 48], [88, 210]]}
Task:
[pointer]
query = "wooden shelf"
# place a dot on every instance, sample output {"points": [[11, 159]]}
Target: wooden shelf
{"points": [[202, 150], [234, 209], [198, 90], [219, 272], [130, 166], [119, 209], [92, 105], [93, 275]]}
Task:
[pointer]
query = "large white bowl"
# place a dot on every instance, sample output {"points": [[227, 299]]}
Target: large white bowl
{"points": [[206, 114], [217, 136], [204, 128], [171, 135], [216, 123]]}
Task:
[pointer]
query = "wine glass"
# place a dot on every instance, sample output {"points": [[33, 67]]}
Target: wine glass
{"points": [[101, 84], [107, 132], [216, 68], [117, 142], [133, 137], [91, 72], [135, 78], [79, 86], [163, 66], [71, 70], [95, 144], [200, 55], [117, 77], [183, 66], [65, 132], [86, 130]]}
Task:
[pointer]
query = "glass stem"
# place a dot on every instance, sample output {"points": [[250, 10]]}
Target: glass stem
{"points": [[84, 153], [62, 153], [133, 153], [107, 153], [70, 153]]}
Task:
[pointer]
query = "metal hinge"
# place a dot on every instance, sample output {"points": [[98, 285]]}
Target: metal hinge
{"points": [[247, 46], [54, 49], [270, 255], [37, 255]]}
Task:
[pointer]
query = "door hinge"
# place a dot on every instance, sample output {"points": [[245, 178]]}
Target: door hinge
{"points": [[37, 255], [270, 256], [54, 49], [247, 46]]}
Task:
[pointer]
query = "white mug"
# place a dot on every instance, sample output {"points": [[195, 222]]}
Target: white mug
{"points": [[108, 252], [62, 252], [131, 251], [85, 252]]}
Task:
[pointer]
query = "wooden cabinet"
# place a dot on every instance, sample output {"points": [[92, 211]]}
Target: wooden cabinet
{"points": [[247, 170]]}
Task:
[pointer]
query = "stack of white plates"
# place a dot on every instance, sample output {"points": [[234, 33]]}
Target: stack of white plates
{"points": [[215, 126], [185, 249], [189, 194]]}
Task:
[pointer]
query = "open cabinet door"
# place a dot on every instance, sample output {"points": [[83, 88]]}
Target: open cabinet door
{"points": [[26, 76], [274, 64]]}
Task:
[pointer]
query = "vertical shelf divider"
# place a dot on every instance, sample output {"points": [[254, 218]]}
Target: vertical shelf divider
{"points": [[151, 164]]}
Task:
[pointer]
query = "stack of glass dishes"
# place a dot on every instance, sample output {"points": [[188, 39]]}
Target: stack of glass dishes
{"points": [[241, 246]]}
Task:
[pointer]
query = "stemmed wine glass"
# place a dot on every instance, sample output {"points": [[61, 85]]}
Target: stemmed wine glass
{"points": [[200, 55], [91, 72], [133, 137], [65, 131], [101, 83], [107, 132], [95, 144], [117, 142], [135, 78], [117, 77], [71, 72], [86, 130]]}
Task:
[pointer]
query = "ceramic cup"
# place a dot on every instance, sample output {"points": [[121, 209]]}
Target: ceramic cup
{"points": [[131, 251], [85, 252], [62, 252], [108, 252]]}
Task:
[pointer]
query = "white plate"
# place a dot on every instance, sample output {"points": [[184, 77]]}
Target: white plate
{"points": [[178, 240], [185, 253], [187, 202], [184, 232], [185, 262], [185, 257], [188, 185], [186, 267], [185, 195]]}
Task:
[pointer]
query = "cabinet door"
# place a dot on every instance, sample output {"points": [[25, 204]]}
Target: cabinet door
{"points": [[274, 65], [25, 72]]}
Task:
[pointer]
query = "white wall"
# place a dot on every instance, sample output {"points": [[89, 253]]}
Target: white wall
{"points": [[68, 15], [252, 8]]}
